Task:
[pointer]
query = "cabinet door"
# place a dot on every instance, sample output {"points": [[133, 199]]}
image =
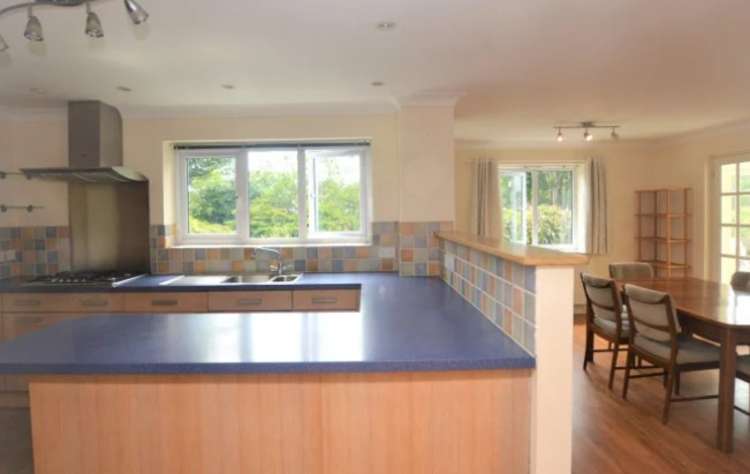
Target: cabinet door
{"points": [[166, 302], [250, 301], [18, 324], [326, 300], [63, 302]]}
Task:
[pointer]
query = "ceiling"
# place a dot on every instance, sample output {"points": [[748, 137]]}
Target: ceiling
{"points": [[521, 66]]}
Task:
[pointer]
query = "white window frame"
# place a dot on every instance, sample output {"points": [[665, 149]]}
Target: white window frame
{"points": [[578, 237], [716, 221], [304, 194]]}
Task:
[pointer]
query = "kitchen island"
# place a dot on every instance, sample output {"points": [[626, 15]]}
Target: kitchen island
{"points": [[417, 380]]}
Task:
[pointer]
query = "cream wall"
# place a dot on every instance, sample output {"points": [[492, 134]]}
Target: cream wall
{"points": [[33, 142], [626, 164], [687, 161], [145, 149], [427, 156]]}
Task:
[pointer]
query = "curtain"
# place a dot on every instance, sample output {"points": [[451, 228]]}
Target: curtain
{"points": [[485, 200], [597, 213]]}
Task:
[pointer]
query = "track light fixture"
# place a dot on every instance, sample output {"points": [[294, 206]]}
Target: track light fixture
{"points": [[587, 128], [33, 30]]}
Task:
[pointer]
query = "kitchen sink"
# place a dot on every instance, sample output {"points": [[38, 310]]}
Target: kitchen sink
{"points": [[263, 278]]}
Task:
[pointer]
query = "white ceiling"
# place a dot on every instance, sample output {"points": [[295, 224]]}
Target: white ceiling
{"points": [[657, 67]]}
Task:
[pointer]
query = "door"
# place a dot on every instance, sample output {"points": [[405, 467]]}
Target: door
{"points": [[732, 228]]}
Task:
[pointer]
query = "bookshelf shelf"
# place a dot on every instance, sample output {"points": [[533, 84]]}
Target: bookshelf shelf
{"points": [[662, 217]]}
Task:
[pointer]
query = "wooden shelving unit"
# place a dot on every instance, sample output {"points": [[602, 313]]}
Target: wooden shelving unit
{"points": [[662, 236]]}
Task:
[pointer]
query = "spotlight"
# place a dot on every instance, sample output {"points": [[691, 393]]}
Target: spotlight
{"points": [[587, 135], [614, 134], [93, 25], [136, 12], [33, 31], [560, 136]]}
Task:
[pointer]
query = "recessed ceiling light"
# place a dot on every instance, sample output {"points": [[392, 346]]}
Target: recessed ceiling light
{"points": [[228, 87], [377, 84], [124, 89], [386, 26]]}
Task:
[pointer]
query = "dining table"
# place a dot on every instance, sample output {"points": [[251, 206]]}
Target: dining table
{"points": [[716, 312]]}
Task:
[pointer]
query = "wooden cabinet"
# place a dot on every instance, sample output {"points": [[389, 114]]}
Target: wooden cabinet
{"points": [[326, 300], [250, 301], [63, 302], [18, 324], [166, 302]]}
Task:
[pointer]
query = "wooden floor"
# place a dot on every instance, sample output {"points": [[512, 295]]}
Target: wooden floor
{"points": [[614, 436], [611, 436]]}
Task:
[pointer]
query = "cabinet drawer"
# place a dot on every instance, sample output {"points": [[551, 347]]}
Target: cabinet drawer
{"points": [[166, 302], [250, 301], [62, 303], [332, 300], [18, 324]]}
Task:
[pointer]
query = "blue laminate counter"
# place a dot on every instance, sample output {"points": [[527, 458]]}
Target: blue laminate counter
{"points": [[404, 324]]}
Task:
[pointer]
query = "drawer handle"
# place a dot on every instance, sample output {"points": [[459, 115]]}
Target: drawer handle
{"points": [[250, 301], [94, 303], [164, 302], [324, 300], [27, 303]]}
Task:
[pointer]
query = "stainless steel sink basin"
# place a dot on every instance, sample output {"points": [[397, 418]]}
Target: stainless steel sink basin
{"points": [[262, 278]]}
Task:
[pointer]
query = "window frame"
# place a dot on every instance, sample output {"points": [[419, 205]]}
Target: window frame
{"points": [[716, 220], [242, 235], [578, 239]]}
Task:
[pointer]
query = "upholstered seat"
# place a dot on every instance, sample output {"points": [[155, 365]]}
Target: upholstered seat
{"points": [[654, 331], [690, 350], [610, 327], [603, 316], [743, 366]]}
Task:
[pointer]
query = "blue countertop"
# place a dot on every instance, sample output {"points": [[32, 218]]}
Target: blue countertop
{"points": [[404, 324]]}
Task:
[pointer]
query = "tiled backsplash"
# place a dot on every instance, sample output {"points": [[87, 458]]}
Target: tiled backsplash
{"points": [[505, 292], [31, 251], [419, 249], [381, 256]]}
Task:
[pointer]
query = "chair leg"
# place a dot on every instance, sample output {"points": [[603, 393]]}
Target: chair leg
{"points": [[614, 364], [677, 382], [628, 364], [668, 398], [589, 354]]}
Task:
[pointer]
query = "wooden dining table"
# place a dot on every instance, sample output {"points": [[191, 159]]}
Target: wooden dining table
{"points": [[716, 312]]}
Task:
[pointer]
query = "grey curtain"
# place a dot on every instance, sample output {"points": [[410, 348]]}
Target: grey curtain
{"points": [[485, 200], [597, 219]]}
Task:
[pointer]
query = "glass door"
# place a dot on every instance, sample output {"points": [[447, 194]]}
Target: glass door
{"points": [[734, 217]]}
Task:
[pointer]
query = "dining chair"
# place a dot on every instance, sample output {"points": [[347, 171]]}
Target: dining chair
{"points": [[604, 319], [743, 373], [740, 281], [631, 271], [657, 337]]}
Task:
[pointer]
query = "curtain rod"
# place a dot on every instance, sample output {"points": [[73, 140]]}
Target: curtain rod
{"points": [[234, 146]]}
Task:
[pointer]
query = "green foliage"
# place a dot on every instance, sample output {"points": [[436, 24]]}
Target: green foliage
{"points": [[211, 195], [273, 206]]}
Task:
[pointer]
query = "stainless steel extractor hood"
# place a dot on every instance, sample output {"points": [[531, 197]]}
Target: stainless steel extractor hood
{"points": [[94, 147]]}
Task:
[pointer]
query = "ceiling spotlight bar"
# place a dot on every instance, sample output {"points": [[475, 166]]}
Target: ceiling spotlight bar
{"points": [[33, 30], [587, 128]]}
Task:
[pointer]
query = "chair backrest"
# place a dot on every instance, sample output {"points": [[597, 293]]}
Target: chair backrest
{"points": [[631, 271], [652, 314], [602, 298], [741, 281]]}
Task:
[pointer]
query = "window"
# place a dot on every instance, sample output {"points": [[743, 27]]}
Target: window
{"points": [[273, 194], [733, 216], [541, 206]]}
